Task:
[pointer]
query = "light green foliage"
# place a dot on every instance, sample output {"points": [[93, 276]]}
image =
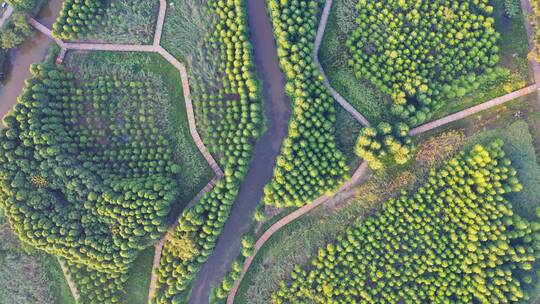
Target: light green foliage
{"points": [[78, 17], [310, 163], [96, 287], [410, 48], [248, 243], [227, 103], [455, 239], [520, 149], [384, 143]]}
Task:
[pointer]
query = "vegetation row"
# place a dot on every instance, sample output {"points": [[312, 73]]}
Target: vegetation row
{"points": [[87, 173], [227, 102], [77, 17], [455, 240], [310, 163]]}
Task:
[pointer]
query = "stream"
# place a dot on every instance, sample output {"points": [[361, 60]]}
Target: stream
{"points": [[266, 150], [33, 50]]}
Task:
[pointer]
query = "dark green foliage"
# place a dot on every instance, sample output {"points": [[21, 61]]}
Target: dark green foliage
{"points": [[15, 31], [310, 163], [410, 49], [456, 239], [227, 101], [77, 17], [87, 174], [384, 143]]}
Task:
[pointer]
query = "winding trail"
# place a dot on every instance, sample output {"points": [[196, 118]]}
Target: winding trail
{"points": [[6, 15], [71, 284], [266, 150], [318, 40]]}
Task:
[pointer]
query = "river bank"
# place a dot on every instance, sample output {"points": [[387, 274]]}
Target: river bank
{"points": [[33, 50], [266, 150]]}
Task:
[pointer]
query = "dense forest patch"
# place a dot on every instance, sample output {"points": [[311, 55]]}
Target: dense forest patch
{"points": [[455, 238], [417, 52]]}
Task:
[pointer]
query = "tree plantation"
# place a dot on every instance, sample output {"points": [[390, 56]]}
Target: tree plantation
{"points": [[455, 240], [411, 50], [86, 170], [78, 17], [310, 164], [97, 287], [228, 103]]}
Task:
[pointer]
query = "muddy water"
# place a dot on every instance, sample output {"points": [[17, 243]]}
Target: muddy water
{"points": [[33, 50], [50, 12], [277, 110]]}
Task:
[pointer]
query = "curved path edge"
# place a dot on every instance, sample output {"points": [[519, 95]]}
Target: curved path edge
{"points": [[156, 48], [358, 174], [7, 14], [318, 40]]}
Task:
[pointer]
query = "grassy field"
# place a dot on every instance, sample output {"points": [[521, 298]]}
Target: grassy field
{"points": [[39, 273], [126, 21], [347, 130], [361, 94], [298, 242], [186, 23], [139, 277], [195, 172], [57, 281], [374, 105]]}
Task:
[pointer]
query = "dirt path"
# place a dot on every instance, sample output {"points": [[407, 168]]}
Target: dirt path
{"points": [[318, 40], [360, 172], [67, 274], [473, 110], [528, 11], [161, 243], [6, 15]]}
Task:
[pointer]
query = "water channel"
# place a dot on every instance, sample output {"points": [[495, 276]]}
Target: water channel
{"points": [[33, 50], [277, 110]]}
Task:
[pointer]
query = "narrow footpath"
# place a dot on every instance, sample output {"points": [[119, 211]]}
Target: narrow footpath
{"points": [[266, 150]]}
